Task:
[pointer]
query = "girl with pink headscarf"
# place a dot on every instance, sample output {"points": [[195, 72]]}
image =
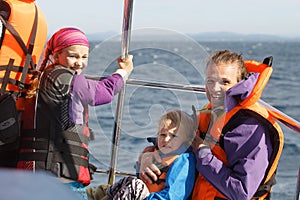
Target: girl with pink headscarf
{"points": [[61, 140]]}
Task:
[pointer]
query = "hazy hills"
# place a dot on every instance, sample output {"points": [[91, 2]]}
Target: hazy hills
{"points": [[207, 36]]}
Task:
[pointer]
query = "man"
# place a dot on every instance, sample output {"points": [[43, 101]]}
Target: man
{"points": [[23, 32], [238, 145]]}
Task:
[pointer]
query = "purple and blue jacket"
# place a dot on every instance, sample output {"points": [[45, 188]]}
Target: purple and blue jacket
{"points": [[247, 147]]}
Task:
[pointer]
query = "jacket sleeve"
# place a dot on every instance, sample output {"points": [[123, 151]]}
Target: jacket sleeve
{"points": [[179, 180], [96, 92], [248, 149]]}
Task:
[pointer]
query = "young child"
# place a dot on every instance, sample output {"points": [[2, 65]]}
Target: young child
{"points": [[60, 144], [176, 131]]}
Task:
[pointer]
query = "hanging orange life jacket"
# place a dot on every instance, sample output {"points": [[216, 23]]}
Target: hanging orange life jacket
{"points": [[203, 190]]}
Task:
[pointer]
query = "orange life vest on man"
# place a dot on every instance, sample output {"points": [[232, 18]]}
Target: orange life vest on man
{"points": [[203, 190], [19, 15], [22, 40]]}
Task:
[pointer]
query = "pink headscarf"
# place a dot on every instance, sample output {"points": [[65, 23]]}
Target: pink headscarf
{"points": [[67, 37]]}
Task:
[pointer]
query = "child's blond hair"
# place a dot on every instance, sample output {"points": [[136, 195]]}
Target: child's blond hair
{"points": [[181, 120]]}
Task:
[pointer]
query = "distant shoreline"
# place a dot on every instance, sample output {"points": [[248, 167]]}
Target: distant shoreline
{"points": [[207, 36]]}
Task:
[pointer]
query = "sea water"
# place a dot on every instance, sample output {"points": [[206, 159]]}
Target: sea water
{"points": [[181, 61]]}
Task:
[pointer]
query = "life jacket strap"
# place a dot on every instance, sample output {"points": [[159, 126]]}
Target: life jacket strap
{"points": [[56, 157], [6, 75], [66, 149], [14, 68], [219, 198], [66, 135], [63, 147], [6, 80], [12, 81], [265, 188]]}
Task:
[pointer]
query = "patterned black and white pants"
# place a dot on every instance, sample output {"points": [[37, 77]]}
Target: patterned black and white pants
{"points": [[128, 188]]}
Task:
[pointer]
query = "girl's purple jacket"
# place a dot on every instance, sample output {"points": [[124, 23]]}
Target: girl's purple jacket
{"points": [[90, 92]]}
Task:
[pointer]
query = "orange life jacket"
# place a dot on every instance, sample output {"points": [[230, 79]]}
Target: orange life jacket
{"points": [[22, 40], [18, 22], [203, 189], [164, 165]]}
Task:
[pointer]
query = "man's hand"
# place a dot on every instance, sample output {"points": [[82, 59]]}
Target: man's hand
{"points": [[197, 143], [148, 170]]}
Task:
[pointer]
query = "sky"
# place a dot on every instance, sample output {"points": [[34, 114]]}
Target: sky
{"points": [[275, 17]]}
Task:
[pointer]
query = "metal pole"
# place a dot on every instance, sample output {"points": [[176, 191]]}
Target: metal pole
{"points": [[126, 32], [297, 195], [282, 117]]}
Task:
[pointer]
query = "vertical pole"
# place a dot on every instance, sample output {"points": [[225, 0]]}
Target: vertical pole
{"points": [[297, 195], [126, 32]]}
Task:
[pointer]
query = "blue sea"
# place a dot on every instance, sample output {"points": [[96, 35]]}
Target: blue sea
{"points": [[178, 59]]}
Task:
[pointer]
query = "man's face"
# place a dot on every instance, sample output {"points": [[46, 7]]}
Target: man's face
{"points": [[219, 78]]}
